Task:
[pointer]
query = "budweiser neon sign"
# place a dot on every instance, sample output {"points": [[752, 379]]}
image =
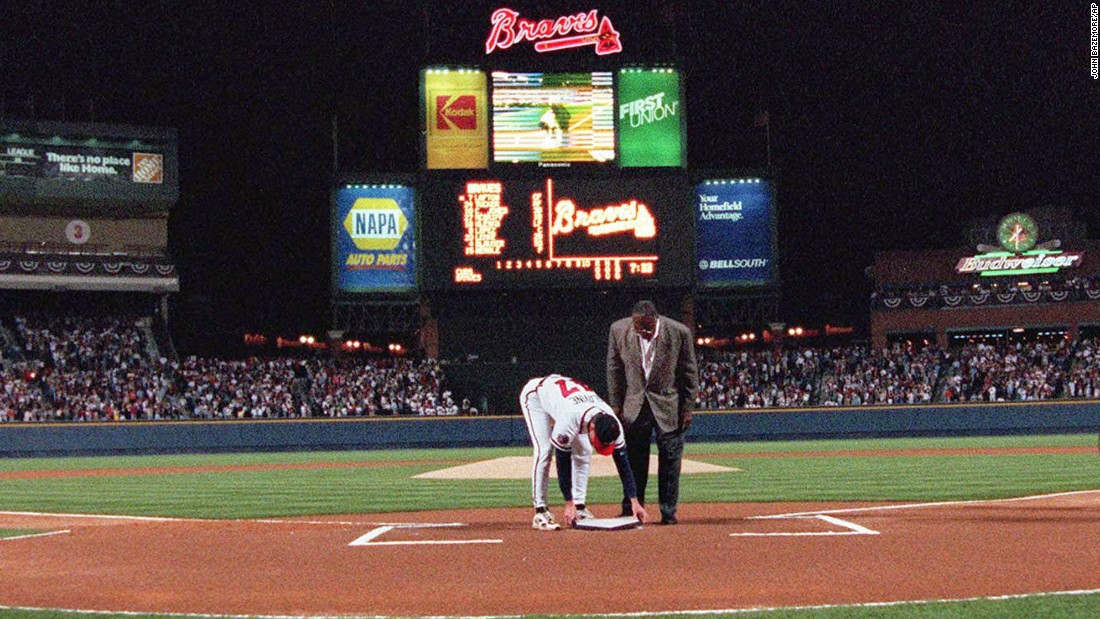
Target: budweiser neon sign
{"points": [[551, 35], [1018, 234], [1003, 263]]}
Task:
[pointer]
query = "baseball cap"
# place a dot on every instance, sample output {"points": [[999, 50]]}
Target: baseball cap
{"points": [[607, 432]]}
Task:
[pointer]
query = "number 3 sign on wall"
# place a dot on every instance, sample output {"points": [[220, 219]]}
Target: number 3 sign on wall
{"points": [[78, 232]]}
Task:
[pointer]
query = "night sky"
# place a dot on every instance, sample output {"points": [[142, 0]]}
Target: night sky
{"points": [[892, 124]]}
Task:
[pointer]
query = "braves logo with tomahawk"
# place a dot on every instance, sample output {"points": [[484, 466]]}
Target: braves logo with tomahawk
{"points": [[589, 28]]}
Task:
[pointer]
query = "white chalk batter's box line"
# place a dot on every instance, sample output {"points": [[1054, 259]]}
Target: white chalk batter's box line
{"points": [[852, 528], [368, 538]]}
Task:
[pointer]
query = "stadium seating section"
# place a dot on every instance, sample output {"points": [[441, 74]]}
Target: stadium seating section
{"points": [[110, 368]]}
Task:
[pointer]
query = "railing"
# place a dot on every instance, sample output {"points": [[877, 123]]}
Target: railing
{"points": [[88, 249]]}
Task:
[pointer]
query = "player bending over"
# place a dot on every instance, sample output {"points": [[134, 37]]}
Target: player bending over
{"points": [[567, 419]]}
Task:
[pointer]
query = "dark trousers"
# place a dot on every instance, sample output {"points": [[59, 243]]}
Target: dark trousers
{"points": [[670, 453]]}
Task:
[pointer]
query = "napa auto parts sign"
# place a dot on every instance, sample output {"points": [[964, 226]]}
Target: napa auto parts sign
{"points": [[508, 28], [374, 245]]}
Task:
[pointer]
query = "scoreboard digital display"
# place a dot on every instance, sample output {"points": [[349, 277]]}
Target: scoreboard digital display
{"points": [[486, 232], [553, 117], [511, 120]]}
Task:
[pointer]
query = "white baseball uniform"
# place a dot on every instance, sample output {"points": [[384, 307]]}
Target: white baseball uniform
{"points": [[557, 410]]}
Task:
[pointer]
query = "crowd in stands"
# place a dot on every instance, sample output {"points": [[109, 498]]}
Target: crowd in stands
{"points": [[1007, 372], [330, 387], [1083, 377], [757, 379], [107, 369], [68, 369], [83, 369], [900, 374]]}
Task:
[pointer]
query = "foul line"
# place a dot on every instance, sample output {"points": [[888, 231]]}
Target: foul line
{"points": [[110, 517], [407, 525], [30, 535], [680, 613], [872, 508]]}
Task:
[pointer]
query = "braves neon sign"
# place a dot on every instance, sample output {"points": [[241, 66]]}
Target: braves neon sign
{"points": [[550, 35]]}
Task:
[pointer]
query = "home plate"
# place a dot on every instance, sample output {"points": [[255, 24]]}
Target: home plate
{"points": [[607, 524], [519, 467]]}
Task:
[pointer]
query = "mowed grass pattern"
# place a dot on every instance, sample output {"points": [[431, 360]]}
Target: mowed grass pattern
{"points": [[392, 487]]}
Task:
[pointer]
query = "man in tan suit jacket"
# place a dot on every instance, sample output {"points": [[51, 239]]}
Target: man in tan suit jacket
{"points": [[651, 384]]}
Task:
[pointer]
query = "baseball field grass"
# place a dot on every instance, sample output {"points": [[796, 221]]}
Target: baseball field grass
{"points": [[316, 483], [232, 486]]}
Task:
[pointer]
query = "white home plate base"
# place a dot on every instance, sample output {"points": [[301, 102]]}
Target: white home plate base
{"points": [[607, 524]]}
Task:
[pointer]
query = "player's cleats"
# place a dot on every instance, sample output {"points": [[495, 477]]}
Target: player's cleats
{"points": [[584, 513], [544, 521]]}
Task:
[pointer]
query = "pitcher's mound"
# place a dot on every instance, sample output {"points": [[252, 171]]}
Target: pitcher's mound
{"points": [[519, 467]]}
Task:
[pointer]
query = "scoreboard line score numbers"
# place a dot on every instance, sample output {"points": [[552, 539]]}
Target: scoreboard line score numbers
{"points": [[611, 240]]}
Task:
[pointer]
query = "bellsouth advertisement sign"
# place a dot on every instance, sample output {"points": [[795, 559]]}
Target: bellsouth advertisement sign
{"points": [[735, 228], [374, 247]]}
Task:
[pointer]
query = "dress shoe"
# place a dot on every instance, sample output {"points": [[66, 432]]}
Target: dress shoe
{"points": [[669, 520]]}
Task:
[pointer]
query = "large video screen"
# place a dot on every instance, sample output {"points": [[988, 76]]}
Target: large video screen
{"points": [[83, 167], [487, 232], [735, 228], [374, 239], [553, 118]]}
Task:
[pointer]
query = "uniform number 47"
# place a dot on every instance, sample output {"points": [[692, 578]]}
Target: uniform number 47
{"points": [[569, 386]]}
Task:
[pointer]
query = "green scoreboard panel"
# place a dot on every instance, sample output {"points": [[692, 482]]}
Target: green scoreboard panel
{"points": [[650, 118]]}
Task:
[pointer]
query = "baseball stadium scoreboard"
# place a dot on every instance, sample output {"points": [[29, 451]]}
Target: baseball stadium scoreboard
{"points": [[557, 231], [559, 166]]}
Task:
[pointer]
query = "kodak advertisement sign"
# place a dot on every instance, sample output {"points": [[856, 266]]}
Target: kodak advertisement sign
{"points": [[456, 121], [374, 247], [650, 117]]}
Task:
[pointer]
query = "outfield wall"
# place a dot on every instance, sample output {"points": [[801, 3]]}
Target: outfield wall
{"points": [[376, 433]]}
